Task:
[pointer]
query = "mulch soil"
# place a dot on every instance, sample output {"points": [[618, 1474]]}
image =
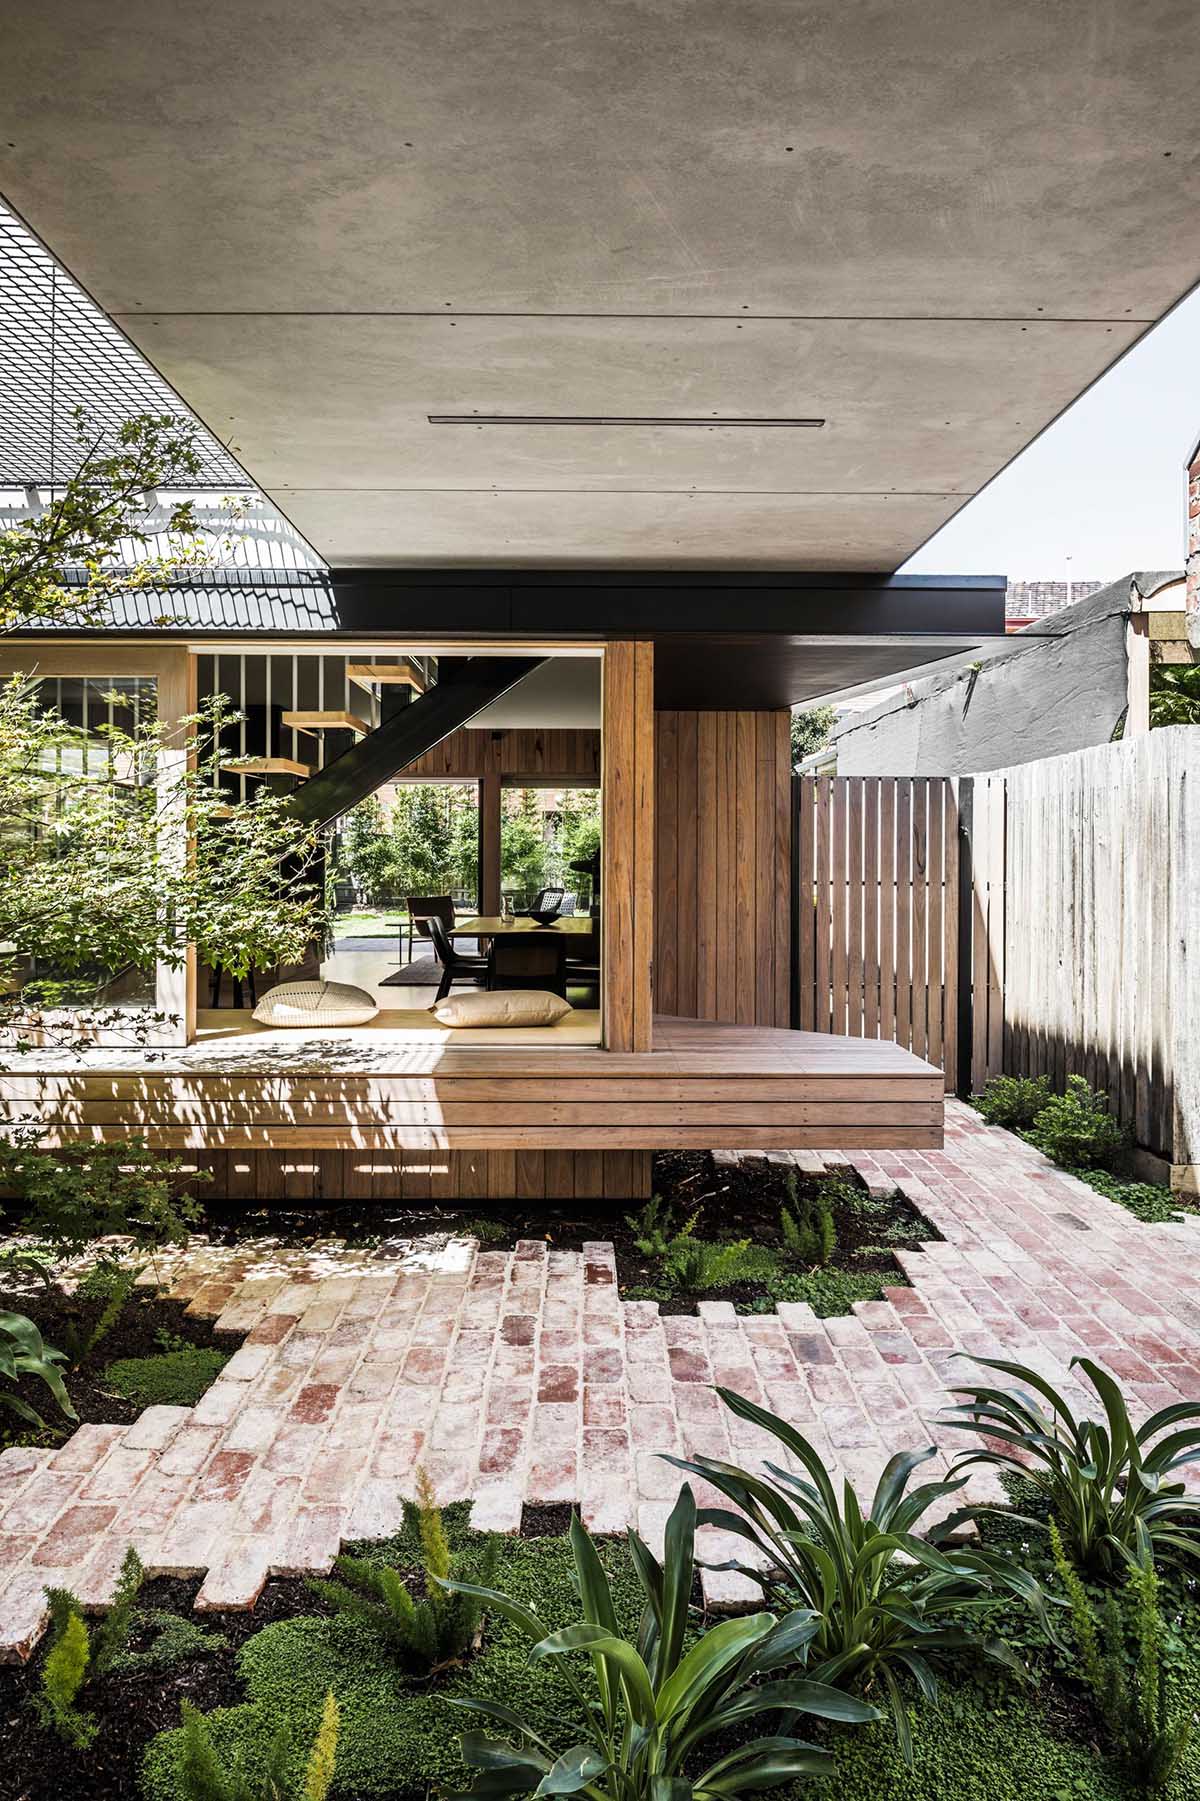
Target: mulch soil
{"points": [[742, 1202], [130, 1709], [135, 1334]]}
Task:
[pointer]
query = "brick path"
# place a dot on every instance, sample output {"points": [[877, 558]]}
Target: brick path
{"points": [[524, 1377]]}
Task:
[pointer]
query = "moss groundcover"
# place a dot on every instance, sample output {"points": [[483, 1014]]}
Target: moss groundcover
{"points": [[993, 1737]]}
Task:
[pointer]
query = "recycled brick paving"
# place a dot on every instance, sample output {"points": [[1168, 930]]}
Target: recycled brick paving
{"points": [[522, 1376]]}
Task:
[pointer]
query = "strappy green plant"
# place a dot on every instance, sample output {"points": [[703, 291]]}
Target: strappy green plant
{"points": [[886, 1602], [1108, 1486], [653, 1707], [24, 1353]]}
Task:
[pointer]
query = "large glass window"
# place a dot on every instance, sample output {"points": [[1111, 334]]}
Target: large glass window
{"points": [[550, 838]]}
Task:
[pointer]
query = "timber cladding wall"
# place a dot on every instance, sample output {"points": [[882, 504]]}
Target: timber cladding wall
{"points": [[415, 1175], [723, 866], [877, 905], [470, 754]]}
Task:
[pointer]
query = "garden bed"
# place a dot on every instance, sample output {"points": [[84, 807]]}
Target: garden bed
{"points": [[993, 1734], [727, 1203], [173, 1354]]}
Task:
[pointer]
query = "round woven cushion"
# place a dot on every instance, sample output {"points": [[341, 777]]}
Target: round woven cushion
{"points": [[315, 1004], [503, 1007]]}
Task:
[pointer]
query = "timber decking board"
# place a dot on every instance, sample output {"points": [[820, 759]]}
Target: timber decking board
{"points": [[705, 1086]]}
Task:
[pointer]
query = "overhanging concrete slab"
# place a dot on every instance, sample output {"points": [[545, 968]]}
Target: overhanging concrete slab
{"points": [[930, 225]]}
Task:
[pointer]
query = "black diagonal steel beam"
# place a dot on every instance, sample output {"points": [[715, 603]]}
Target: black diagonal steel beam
{"points": [[465, 685]]}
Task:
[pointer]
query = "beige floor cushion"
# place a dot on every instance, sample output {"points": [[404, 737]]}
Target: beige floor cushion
{"points": [[315, 1004], [503, 1007]]}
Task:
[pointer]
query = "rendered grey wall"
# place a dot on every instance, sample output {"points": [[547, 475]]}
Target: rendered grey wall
{"points": [[1056, 695]]}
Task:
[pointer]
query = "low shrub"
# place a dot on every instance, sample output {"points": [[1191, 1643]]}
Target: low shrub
{"points": [[168, 1378], [76, 1655], [1108, 1487], [1076, 1129], [426, 1634], [81, 1191], [884, 1603], [1012, 1101], [693, 1265], [652, 1700]]}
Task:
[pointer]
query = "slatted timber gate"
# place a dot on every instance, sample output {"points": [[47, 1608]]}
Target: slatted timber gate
{"points": [[876, 933]]}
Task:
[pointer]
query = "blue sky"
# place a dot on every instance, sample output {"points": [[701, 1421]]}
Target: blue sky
{"points": [[1102, 491]]}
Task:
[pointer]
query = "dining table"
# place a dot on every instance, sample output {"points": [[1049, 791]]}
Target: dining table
{"points": [[499, 925]]}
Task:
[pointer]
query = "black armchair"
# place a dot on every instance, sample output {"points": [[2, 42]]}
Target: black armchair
{"points": [[456, 966]]}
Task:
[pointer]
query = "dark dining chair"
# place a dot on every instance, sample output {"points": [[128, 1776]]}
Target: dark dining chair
{"points": [[456, 965], [529, 960], [424, 907], [583, 956]]}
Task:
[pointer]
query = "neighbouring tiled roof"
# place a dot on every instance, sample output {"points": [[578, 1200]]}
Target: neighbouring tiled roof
{"points": [[236, 600], [1037, 600]]}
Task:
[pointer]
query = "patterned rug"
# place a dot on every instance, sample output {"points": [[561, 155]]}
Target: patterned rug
{"points": [[426, 972]]}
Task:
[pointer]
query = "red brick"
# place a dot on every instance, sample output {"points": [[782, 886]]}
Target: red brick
{"points": [[74, 1534]]}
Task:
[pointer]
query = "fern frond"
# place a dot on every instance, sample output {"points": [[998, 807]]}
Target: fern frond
{"points": [[432, 1531], [318, 1776], [111, 1636]]}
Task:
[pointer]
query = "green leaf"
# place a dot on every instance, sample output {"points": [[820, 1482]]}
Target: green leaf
{"points": [[625, 1662], [764, 1763], [495, 1710], [573, 1771], [678, 1568], [520, 1616], [721, 1647], [479, 1752]]}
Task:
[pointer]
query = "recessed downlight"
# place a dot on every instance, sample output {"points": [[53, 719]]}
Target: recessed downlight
{"points": [[705, 421]]}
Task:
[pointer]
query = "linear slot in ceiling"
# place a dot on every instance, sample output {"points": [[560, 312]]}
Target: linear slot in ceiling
{"points": [[709, 421]]}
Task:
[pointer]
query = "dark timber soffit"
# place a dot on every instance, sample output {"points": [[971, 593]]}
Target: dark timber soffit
{"points": [[465, 685]]}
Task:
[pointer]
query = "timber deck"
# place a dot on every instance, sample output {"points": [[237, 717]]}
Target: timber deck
{"points": [[704, 1086]]}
